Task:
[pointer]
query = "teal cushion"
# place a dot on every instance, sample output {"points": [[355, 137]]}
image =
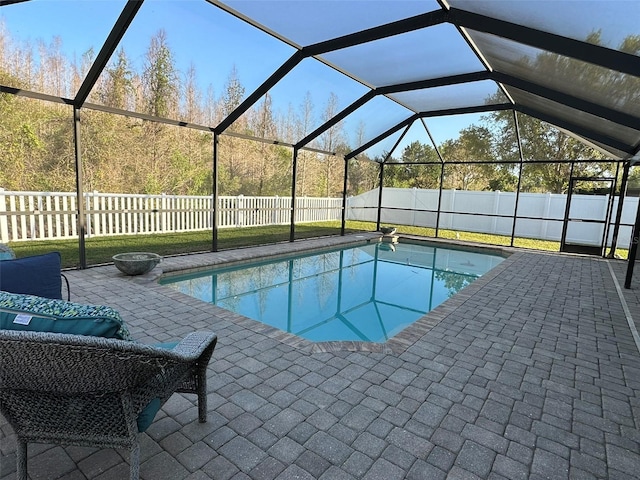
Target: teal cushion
{"points": [[148, 414], [31, 313], [92, 326]]}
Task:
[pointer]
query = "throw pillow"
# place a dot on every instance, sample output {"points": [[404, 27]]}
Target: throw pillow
{"points": [[36, 275]]}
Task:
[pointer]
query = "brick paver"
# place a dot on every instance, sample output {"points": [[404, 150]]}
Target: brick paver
{"points": [[530, 372]]}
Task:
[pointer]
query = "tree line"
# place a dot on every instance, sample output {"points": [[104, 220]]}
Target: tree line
{"points": [[124, 154]]}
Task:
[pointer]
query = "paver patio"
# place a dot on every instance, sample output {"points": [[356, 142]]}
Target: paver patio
{"points": [[531, 373]]}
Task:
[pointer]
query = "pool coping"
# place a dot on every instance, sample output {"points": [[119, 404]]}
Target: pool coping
{"points": [[397, 344], [246, 255]]}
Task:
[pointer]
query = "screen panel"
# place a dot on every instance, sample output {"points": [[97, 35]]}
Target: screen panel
{"points": [[312, 21], [366, 123], [49, 47], [309, 95], [577, 117], [166, 62], [427, 53], [464, 95], [581, 79], [606, 22]]}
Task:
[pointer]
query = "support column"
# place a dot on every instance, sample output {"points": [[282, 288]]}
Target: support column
{"points": [[294, 174], [623, 194], [439, 198], [82, 221], [566, 209], [515, 208], [633, 251], [381, 180], [344, 196], [215, 200]]}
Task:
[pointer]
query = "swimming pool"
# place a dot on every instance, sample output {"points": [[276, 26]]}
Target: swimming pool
{"points": [[365, 293]]}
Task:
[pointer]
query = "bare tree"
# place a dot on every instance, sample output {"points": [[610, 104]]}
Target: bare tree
{"points": [[332, 141], [192, 102]]}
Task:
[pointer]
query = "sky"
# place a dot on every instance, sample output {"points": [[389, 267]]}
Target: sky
{"points": [[215, 42]]}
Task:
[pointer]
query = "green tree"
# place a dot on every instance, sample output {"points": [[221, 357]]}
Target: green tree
{"points": [[190, 164], [233, 166], [36, 149], [160, 97], [233, 93], [159, 78], [421, 176], [475, 143], [266, 163], [117, 87], [543, 142]]}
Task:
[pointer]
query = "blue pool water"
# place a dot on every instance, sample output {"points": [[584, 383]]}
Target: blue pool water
{"points": [[364, 293]]}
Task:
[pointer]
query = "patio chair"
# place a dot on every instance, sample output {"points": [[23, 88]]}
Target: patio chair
{"points": [[91, 391]]}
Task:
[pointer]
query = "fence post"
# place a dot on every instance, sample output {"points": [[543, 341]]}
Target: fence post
{"points": [[163, 227], [24, 232], [496, 206], [275, 212], [545, 216], [40, 212], [414, 204], [4, 225], [240, 211], [97, 228], [213, 210], [32, 216], [109, 208], [347, 208], [452, 208], [56, 207]]}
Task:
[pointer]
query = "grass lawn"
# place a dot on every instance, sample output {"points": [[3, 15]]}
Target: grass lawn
{"points": [[99, 250]]}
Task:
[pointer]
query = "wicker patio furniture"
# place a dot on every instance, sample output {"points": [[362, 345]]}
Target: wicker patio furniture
{"points": [[91, 391]]}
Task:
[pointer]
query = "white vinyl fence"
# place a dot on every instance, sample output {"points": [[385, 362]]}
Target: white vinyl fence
{"points": [[543, 213], [53, 215]]}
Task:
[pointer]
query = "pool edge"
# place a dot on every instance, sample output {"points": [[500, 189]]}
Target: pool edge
{"points": [[400, 342]]}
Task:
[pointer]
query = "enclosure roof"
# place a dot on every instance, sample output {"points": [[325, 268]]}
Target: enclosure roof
{"points": [[574, 64]]}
